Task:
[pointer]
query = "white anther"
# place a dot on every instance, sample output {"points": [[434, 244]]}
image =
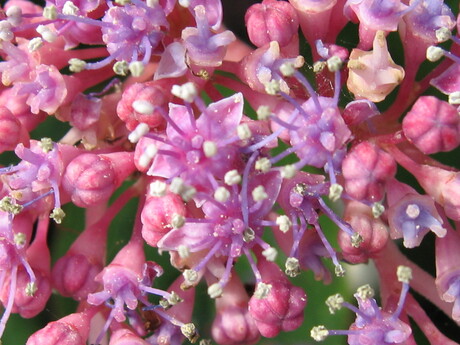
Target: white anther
{"points": [[262, 290], [183, 251], [284, 223], [365, 292], [319, 66], [412, 211], [177, 185], [334, 303], [158, 188], [454, 98], [187, 91], [14, 14], [334, 63], [209, 148], [292, 267], [243, 131], [287, 69], [434, 53], [263, 112], [76, 65], [377, 209], [35, 44], [404, 274], [232, 177], [339, 271], [335, 192], [288, 171], [443, 34], [184, 3], [50, 12], [57, 215], [272, 87], [146, 157], [143, 106], [263, 164], [5, 31], [121, 68], [46, 144], [177, 221], [46, 33], [319, 333], [188, 193], [136, 68], [140, 130], [123, 2], [215, 290], [259, 194], [69, 8], [221, 194], [190, 276], [270, 254]]}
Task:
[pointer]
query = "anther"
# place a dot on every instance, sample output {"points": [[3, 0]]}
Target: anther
{"points": [[334, 303]]}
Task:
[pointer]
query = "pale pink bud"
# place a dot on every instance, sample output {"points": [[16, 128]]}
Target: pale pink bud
{"points": [[154, 93], [365, 169], [432, 125], [91, 179], [73, 276], [271, 21], [11, 130], [72, 329], [372, 230], [157, 216]]}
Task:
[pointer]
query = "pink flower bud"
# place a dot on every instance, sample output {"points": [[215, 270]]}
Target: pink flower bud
{"points": [[373, 232], [73, 276], [365, 169], [153, 94], [25, 304], [17, 105], [432, 125], [234, 326], [11, 131], [72, 329], [125, 336], [157, 216], [271, 21], [90, 178], [282, 308]]}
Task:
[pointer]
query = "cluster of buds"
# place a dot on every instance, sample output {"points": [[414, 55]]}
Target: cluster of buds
{"points": [[232, 153]]}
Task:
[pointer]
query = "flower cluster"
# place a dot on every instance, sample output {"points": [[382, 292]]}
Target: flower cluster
{"points": [[234, 153]]}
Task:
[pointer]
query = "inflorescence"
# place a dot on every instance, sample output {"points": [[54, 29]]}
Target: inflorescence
{"points": [[233, 153]]}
